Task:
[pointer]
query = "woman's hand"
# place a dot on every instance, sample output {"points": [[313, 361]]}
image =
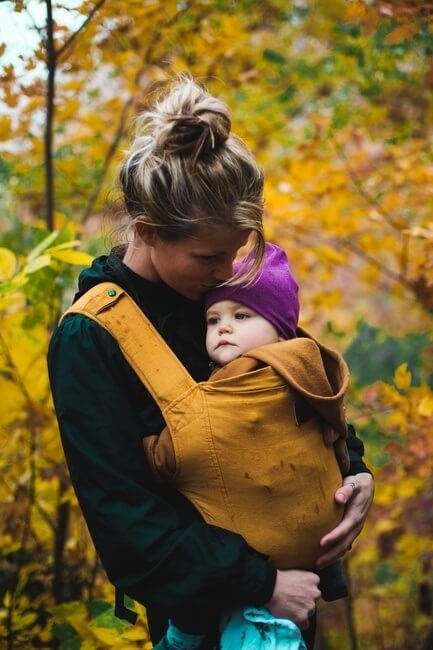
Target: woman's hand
{"points": [[357, 493], [295, 596]]}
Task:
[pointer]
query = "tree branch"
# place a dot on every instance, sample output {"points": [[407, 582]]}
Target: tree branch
{"points": [[121, 126], [39, 30], [347, 242], [388, 218], [67, 44]]}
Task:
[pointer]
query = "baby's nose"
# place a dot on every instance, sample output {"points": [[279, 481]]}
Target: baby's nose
{"points": [[225, 327]]}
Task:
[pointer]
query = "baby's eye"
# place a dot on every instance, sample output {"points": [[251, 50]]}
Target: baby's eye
{"points": [[212, 320], [241, 315]]}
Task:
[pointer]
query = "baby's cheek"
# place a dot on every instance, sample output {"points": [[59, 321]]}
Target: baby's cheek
{"points": [[209, 343]]}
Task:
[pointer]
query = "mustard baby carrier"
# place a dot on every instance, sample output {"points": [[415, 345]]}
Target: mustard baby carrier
{"points": [[243, 458]]}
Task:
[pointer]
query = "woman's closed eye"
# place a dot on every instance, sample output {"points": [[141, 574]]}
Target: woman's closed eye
{"points": [[207, 259]]}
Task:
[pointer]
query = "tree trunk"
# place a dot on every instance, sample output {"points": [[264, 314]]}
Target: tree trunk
{"points": [[48, 140]]}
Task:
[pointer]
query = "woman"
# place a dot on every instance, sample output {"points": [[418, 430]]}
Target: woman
{"points": [[194, 195]]}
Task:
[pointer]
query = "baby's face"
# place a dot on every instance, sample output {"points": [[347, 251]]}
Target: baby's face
{"points": [[233, 329]]}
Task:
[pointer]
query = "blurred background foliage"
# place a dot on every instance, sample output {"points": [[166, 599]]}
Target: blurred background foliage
{"points": [[335, 100]]}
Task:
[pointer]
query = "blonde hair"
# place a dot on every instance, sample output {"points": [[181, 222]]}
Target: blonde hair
{"points": [[185, 169]]}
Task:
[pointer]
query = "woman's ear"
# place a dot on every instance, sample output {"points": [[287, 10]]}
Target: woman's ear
{"points": [[146, 231]]}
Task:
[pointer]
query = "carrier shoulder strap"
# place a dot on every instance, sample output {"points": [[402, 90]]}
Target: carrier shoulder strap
{"points": [[142, 346]]}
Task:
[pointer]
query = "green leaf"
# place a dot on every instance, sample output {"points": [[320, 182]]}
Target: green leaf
{"points": [[45, 243], [97, 607], [384, 574], [108, 620], [373, 355], [71, 644], [273, 56], [63, 631], [72, 608], [36, 264]]}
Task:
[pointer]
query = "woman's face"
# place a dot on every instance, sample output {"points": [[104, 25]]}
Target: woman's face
{"points": [[192, 265]]}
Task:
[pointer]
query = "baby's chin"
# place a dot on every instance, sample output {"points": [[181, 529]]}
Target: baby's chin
{"points": [[223, 355]]}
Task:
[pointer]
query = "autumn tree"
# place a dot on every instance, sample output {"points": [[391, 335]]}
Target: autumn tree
{"points": [[335, 99]]}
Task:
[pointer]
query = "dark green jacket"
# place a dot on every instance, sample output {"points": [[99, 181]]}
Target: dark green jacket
{"points": [[151, 541]]}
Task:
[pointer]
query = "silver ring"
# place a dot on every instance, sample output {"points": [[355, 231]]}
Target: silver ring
{"points": [[353, 485]]}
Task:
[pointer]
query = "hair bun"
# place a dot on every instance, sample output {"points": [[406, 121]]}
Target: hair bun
{"points": [[194, 135], [189, 122]]}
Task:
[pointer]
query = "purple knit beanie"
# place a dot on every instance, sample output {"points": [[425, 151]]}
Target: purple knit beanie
{"points": [[273, 293]]}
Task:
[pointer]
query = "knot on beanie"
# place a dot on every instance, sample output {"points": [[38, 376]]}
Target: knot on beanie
{"points": [[272, 293]]}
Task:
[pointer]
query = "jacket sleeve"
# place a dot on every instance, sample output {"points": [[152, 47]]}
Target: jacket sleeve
{"points": [[159, 452], [356, 452], [149, 548]]}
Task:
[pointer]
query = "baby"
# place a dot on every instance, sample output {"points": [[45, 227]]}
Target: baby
{"points": [[250, 328]]}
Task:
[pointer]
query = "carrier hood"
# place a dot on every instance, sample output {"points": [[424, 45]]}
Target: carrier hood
{"points": [[318, 373]]}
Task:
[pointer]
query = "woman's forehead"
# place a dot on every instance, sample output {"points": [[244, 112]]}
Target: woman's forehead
{"points": [[219, 239]]}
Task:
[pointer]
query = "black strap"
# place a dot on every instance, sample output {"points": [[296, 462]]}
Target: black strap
{"points": [[121, 611]]}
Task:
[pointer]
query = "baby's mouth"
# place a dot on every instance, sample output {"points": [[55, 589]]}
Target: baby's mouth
{"points": [[221, 343]]}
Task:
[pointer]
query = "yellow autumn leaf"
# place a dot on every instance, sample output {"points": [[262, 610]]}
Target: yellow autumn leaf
{"points": [[135, 634], [15, 300], [411, 545], [332, 255], [109, 636], [403, 377], [7, 599], [425, 406], [371, 21], [74, 612], [62, 220], [385, 526], [401, 33], [61, 247], [88, 644], [354, 11], [78, 258], [5, 127], [8, 264], [369, 273], [409, 487]]}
